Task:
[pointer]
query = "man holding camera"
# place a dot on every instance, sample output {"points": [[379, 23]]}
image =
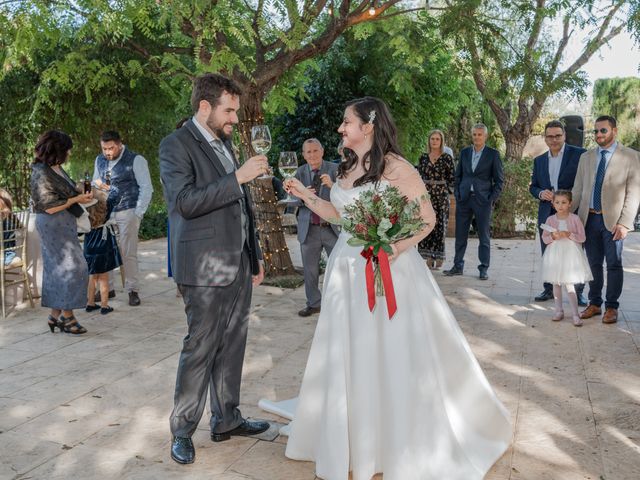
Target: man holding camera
{"points": [[314, 234]]}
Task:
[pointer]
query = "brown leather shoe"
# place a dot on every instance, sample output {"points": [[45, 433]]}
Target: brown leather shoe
{"points": [[590, 311], [610, 315]]}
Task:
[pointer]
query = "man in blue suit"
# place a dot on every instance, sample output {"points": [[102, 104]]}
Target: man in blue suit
{"points": [[478, 184], [554, 170]]}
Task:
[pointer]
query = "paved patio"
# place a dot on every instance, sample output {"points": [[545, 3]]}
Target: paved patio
{"points": [[96, 406]]}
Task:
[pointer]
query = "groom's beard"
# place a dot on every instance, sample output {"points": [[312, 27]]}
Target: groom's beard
{"points": [[218, 130], [221, 135]]}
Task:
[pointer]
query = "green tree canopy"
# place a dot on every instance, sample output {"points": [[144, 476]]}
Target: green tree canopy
{"points": [[516, 58], [620, 97]]}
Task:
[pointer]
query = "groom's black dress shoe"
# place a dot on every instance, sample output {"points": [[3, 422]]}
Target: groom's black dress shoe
{"points": [[544, 295], [245, 429], [182, 450], [453, 271], [483, 275]]}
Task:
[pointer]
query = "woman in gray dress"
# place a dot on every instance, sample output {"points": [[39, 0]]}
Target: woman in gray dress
{"points": [[55, 202]]}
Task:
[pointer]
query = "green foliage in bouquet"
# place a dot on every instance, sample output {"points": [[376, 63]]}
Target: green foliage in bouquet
{"points": [[379, 218]]}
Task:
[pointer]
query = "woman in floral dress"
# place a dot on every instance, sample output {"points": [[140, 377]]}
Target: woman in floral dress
{"points": [[436, 169]]}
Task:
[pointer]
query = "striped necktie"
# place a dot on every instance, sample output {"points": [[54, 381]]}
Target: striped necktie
{"points": [[597, 187]]}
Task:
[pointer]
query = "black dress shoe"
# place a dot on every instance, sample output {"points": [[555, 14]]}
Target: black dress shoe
{"points": [[134, 299], [453, 271], [582, 300], [112, 294], [245, 429], [182, 450], [307, 311], [544, 295], [483, 275]]}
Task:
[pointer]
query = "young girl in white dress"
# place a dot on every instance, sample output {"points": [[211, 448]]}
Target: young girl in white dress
{"points": [[402, 396], [564, 261]]}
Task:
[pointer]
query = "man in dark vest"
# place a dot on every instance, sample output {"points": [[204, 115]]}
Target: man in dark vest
{"points": [[126, 175]]}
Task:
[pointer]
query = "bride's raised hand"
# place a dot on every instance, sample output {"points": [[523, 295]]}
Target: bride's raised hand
{"points": [[295, 187]]}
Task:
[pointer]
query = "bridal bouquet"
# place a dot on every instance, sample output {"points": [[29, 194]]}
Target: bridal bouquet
{"points": [[375, 220]]}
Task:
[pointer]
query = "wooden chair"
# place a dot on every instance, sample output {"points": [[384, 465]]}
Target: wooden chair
{"points": [[13, 235]]}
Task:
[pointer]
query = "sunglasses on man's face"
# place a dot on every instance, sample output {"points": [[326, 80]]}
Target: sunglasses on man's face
{"points": [[600, 130]]}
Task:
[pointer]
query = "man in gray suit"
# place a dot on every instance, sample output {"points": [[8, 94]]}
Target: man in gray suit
{"points": [[215, 260], [314, 234]]}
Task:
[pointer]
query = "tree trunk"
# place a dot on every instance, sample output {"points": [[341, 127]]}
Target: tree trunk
{"points": [[515, 142], [504, 223], [277, 260]]}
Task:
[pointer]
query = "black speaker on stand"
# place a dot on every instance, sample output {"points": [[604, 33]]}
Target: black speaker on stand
{"points": [[574, 126]]}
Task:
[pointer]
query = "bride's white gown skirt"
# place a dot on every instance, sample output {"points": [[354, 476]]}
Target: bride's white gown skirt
{"points": [[404, 397]]}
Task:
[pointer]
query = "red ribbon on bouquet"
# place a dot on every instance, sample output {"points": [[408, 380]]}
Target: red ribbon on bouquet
{"points": [[383, 264]]}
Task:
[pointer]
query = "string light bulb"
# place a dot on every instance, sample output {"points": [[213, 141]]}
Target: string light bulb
{"points": [[372, 10]]}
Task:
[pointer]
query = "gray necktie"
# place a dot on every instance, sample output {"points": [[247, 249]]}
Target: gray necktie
{"points": [[224, 156]]}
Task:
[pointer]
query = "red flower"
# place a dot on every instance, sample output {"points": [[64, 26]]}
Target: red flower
{"points": [[393, 219], [376, 198], [360, 228]]}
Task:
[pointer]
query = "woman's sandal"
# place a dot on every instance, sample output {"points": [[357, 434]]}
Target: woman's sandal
{"points": [[71, 325], [105, 310], [53, 322], [91, 308]]}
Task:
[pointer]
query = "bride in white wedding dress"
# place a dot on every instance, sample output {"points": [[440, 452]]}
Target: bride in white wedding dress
{"points": [[404, 397]]}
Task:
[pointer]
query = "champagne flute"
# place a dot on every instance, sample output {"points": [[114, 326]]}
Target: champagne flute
{"points": [[288, 164], [261, 141]]}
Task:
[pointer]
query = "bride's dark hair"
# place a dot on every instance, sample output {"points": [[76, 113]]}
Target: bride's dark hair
{"points": [[385, 140]]}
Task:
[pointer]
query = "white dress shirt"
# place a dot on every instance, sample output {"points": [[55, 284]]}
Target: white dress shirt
{"points": [[555, 162]]}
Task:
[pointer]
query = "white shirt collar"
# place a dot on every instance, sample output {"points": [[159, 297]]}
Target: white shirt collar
{"points": [[205, 133], [610, 150], [560, 153]]}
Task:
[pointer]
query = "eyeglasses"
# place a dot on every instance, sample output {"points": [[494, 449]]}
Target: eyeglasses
{"points": [[554, 137], [601, 130]]}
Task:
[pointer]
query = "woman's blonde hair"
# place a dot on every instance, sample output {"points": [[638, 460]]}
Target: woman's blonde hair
{"points": [[6, 203], [431, 134]]}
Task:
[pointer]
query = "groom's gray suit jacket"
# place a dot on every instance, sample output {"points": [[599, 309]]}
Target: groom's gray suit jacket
{"points": [[203, 202]]}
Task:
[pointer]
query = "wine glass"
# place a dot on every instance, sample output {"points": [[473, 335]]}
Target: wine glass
{"points": [[261, 141], [288, 164]]}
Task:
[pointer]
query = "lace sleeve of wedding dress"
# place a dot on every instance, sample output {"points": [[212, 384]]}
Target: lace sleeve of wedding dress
{"points": [[403, 175]]}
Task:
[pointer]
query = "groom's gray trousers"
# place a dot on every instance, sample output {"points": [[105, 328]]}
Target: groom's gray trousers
{"points": [[212, 354]]}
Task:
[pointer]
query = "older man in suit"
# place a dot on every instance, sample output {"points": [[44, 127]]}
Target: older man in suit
{"points": [[478, 184], [606, 193], [554, 170], [314, 234], [215, 260]]}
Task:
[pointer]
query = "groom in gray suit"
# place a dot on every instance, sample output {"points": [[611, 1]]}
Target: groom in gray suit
{"points": [[215, 260], [314, 234]]}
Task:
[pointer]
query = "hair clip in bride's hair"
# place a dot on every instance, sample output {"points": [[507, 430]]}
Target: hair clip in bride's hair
{"points": [[372, 116]]}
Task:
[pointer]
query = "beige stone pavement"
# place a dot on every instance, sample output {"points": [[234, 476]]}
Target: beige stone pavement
{"points": [[96, 406]]}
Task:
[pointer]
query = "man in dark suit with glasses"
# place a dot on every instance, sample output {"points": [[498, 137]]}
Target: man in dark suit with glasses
{"points": [[554, 170]]}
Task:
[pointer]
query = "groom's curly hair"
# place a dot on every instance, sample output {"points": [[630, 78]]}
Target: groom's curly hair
{"points": [[210, 87], [385, 140]]}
